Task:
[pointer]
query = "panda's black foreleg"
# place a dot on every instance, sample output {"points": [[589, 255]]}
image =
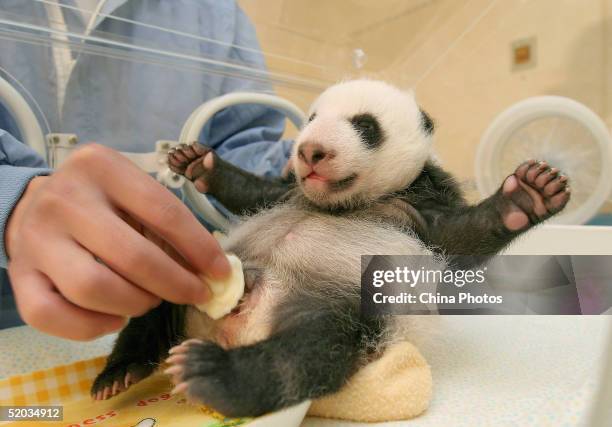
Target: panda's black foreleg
{"points": [[139, 348], [311, 356], [238, 190], [534, 193]]}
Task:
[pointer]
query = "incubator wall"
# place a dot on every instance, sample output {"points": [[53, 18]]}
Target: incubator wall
{"points": [[466, 60], [92, 68]]}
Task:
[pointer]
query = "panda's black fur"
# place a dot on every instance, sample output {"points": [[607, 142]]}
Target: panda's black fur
{"points": [[363, 183]]}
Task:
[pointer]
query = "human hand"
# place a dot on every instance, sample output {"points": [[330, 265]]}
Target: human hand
{"points": [[100, 207]]}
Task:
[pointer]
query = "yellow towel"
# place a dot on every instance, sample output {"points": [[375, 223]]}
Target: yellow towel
{"points": [[145, 404], [395, 387]]}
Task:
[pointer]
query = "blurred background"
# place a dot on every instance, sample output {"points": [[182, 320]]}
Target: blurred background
{"points": [[466, 60]]}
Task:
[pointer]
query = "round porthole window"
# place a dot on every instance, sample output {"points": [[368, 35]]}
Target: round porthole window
{"points": [[560, 131]]}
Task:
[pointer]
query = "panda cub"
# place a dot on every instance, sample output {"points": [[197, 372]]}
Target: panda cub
{"points": [[363, 183]]}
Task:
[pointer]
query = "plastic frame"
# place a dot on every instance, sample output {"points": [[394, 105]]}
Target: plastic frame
{"points": [[195, 123], [519, 114]]}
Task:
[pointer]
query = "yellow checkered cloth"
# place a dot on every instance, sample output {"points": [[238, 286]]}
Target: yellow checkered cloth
{"points": [[69, 385], [51, 386]]}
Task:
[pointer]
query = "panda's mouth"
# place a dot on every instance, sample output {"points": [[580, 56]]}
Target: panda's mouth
{"points": [[316, 177], [332, 185]]}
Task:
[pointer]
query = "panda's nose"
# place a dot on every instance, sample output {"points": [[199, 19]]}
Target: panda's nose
{"points": [[313, 153]]}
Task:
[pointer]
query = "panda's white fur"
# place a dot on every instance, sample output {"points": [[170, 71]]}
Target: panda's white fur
{"points": [[365, 186], [403, 152], [289, 238]]}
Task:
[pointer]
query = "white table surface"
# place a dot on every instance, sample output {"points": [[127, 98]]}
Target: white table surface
{"points": [[488, 370], [23, 349]]}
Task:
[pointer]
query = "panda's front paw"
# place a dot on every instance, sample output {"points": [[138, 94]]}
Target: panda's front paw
{"points": [[195, 162], [117, 377], [534, 193], [205, 373]]}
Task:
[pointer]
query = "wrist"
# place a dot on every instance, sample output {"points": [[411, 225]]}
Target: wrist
{"points": [[14, 219]]}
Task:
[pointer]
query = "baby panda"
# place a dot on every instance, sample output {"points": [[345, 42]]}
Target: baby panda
{"points": [[363, 183]]}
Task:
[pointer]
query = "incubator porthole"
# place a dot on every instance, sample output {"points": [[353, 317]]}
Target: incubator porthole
{"points": [[561, 131]]}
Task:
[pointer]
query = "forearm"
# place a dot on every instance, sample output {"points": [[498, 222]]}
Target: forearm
{"points": [[240, 191], [469, 230], [243, 192]]}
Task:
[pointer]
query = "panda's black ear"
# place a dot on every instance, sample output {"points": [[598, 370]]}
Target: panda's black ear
{"points": [[427, 123]]}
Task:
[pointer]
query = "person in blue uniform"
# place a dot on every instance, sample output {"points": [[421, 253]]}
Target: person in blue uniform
{"points": [[97, 240]]}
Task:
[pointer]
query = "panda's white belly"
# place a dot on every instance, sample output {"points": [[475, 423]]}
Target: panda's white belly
{"points": [[289, 237], [288, 243]]}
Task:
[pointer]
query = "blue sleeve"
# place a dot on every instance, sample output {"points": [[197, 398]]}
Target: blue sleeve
{"points": [[248, 135], [255, 146], [18, 165]]}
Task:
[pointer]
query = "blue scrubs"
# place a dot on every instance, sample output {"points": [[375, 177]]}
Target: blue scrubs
{"points": [[128, 104]]}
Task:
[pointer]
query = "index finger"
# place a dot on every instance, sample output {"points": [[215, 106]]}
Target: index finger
{"points": [[149, 202]]}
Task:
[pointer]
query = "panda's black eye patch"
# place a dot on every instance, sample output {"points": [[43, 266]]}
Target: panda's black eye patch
{"points": [[428, 123], [369, 129], [312, 117]]}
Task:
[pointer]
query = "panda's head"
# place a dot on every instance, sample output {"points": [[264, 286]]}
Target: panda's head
{"points": [[364, 139]]}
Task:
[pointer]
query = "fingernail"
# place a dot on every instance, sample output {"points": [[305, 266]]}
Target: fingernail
{"points": [[202, 294], [115, 328], [219, 267]]}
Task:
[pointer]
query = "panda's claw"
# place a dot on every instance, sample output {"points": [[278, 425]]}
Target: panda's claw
{"points": [[535, 170], [175, 371], [176, 358], [195, 162], [209, 375], [117, 378], [184, 346], [189, 152], [191, 341], [127, 380], [545, 177], [178, 349], [179, 388], [523, 168]]}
